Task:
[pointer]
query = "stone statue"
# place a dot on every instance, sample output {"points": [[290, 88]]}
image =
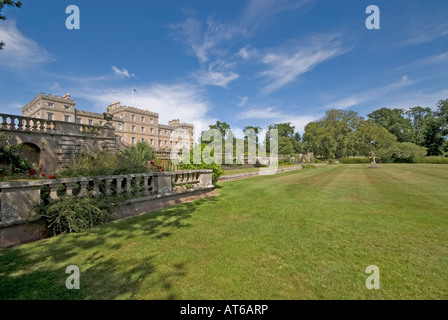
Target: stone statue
{"points": [[373, 160]]}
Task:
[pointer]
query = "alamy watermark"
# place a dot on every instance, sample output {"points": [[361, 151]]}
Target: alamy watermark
{"points": [[373, 281], [72, 281], [257, 148]]}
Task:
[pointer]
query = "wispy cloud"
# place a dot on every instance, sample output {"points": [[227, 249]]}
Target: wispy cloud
{"points": [[243, 101], [288, 63], [122, 72], [20, 52], [369, 95], [257, 11]]}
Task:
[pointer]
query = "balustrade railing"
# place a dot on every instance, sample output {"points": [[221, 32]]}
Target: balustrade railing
{"points": [[29, 124], [17, 198]]}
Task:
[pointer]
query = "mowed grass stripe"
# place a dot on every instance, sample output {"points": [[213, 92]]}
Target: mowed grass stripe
{"points": [[307, 234]]}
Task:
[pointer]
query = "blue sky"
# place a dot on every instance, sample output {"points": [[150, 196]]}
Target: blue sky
{"points": [[252, 62]]}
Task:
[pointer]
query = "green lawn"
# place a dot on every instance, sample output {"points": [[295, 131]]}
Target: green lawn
{"points": [[232, 172], [306, 234]]}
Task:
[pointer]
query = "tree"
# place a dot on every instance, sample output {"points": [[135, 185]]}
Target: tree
{"points": [[370, 137], [319, 140], [285, 130], [221, 127], [285, 146], [418, 117], [8, 3], [433, 136], [394, 121], [442, 113]]}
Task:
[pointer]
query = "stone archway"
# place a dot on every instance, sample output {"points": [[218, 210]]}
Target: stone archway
{"points": [[32, 153]]}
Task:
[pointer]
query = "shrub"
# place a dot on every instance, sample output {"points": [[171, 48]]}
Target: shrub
{"points": [[216, 168], [72, 214], [401, 152], [433, 160], [10, 159], [307, 167]]}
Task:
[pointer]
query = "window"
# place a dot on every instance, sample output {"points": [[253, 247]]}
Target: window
{"points": [[143, 139], [133, 140], [160, 132], [143, 129], [171, 143], [67, 118], [160, 143], [150, 120], [166, 142], [166, 133], [143, 119], [133, 128], [67, 107], [120, 126], [51, 105], [122, 115], [78, 120], [152, 141], [90, 122], [50, 116], [151, 130], [133, 117]]}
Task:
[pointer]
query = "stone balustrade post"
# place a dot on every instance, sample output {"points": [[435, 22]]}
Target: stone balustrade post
{"points": [[119, 188], [128, 185], [83, 191], [108, 183], [54, 192], [69, 186]]}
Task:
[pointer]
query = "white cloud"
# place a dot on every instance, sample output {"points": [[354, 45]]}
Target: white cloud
{"points": [[369, 95], [243, 101], [172, 101], [244, 53], [274, 115], [123, 73], [203, 42], [20, 52], [288, 63], [215, 78]]}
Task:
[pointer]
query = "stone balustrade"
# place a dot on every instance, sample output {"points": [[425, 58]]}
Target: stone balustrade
{"points": [[18, 198], [28, 124]]}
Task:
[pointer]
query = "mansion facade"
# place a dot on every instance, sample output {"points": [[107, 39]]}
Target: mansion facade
{"points": [[131, 124]]}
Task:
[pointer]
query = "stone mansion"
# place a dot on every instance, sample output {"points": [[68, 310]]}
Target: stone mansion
{"points": [[131, 124]]}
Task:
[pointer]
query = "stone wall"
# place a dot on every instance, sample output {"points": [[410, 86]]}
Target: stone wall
{"points": [[18, 198], [57, 142]]}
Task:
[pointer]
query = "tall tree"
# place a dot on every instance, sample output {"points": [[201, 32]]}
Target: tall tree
{"points": [[394, 121], [418, 117], [221, 127], [8, 3]]}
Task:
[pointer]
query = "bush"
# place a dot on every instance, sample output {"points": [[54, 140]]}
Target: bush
{"points": [[11, 162], [72, 214], [433, 160], [307, 167], [216, 168], [401, 152]]}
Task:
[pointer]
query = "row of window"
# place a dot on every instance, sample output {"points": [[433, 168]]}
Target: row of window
{"points": [[134, 118], [142, 130], [51, 105], [151, 142]]}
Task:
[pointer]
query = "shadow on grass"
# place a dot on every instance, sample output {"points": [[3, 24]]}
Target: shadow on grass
{"points": [[108, 268]]}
